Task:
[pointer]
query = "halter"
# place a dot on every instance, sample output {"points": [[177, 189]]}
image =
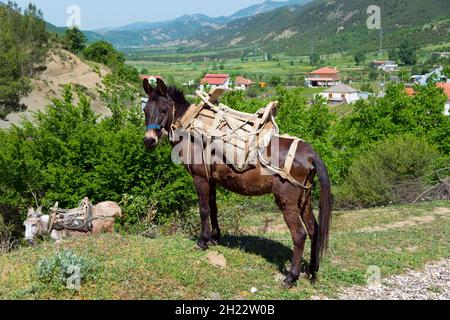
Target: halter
{"points": [[154, 127]]}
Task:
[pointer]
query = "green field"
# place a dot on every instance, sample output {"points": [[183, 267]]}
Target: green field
{"points": [[288, 68], [170, 267]]}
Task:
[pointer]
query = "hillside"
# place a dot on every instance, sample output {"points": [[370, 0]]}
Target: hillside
{"points": [[333, 26], [393, 239], [176, 32], [62, 67]]}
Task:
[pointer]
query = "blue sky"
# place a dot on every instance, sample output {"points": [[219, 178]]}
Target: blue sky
{"points": [[97, 14]]}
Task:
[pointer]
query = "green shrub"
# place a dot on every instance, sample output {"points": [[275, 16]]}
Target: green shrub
{"points": [[65, 268], [394, 170], [67, 154], [7, 242]]}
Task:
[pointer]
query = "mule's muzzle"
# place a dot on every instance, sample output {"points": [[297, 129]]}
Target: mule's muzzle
{"points": [[150, 143], [151, 139]]}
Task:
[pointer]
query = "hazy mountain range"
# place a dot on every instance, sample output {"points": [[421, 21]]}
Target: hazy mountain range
{"points": [[295, 27]]}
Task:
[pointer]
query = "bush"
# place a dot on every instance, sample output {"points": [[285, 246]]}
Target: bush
{"points": [[68, 155], [7, 242], [65, 268], [395, 170]]}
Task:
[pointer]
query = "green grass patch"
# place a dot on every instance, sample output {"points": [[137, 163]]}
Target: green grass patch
{"points": [[170, 267]]}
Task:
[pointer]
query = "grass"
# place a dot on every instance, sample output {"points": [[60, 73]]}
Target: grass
{"points": [[286, 67], [170, 267]]}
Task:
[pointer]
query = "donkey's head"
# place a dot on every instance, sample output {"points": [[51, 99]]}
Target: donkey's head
{"points": [[35, 225], [159, 112]]}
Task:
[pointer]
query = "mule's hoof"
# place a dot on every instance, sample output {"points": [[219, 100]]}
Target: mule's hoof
{"points": [[202, 246], [313, 278], [214, 242], [287, 284], [290, 281]]}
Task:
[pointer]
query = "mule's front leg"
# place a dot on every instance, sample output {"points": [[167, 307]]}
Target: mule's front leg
{"points": [[213, 213], [202, 186]]}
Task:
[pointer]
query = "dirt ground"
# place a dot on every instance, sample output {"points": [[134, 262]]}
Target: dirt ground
{"points": [[63, 68], [432, 283]]}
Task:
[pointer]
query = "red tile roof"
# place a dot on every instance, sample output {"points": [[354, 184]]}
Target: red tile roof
{"points": [[445, 86], [325, 70], [243, 81], [215, 79], [410, 91]]}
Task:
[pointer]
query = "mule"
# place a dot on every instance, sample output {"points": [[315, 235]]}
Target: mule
{"points": [[167, 105], [103, 218]]}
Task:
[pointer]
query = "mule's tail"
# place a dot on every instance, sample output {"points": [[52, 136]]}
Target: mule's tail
{"points": [[325, 210]]}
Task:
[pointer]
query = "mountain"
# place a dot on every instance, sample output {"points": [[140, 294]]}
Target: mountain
{"points": [[265, 7], [332, 26], [175, 32]]}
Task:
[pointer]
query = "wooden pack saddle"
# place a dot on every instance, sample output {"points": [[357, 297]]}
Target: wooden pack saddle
{"points": [[78, 219], [239, 136]]}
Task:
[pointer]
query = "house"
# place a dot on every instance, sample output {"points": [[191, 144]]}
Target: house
{"points": [[437, 74], [242, 83], [441, 55], [324, 77], [387, 66], [216, 80], [341, 93]]}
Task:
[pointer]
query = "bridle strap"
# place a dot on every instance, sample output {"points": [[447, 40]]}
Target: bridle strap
{"points": [[154, 127]]}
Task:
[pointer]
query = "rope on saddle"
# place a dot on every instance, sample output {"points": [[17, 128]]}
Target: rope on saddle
{"points": [[79, 219]]}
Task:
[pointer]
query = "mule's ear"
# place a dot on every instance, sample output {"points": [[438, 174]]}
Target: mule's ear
{"points": [[162, 88], [148, 88], [30, 212], [39, 211]]}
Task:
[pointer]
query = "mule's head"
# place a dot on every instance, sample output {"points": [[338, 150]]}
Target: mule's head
{"points": [[159, 113], [35, 224]]}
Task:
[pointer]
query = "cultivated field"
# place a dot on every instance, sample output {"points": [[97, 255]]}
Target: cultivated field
{"points": [[391, 240]]}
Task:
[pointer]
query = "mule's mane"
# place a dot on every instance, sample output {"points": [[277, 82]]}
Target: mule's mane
{"points": [[181, 104]]}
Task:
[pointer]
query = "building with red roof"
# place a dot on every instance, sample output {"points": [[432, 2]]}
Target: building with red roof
{"points": [[216, 80], [243, 83], [323, 77]]}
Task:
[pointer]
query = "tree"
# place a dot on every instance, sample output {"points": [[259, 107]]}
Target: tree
{"points": [[23, 47], [275, 81], [103, 52], [314, 59], [74, 40], [360, 57], [407, 53]]}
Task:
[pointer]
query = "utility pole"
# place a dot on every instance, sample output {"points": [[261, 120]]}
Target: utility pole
{"points": [[381, 41]]}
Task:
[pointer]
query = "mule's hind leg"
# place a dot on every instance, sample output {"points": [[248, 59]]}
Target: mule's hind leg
{"points": [[202, 186], [213, 208], [312, 227], [291, 215]]}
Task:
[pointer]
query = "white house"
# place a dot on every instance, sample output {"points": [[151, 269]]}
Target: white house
{"points": [[216, 80], [341, 93], [387, 66]]}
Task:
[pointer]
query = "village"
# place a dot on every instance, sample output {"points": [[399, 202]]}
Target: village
{"points": [[329, 83]]}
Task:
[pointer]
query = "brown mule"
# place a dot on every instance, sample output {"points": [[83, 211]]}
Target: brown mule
{"points": [[166, 106]]}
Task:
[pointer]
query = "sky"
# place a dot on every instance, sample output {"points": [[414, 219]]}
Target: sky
{"points": [[97, 14]]}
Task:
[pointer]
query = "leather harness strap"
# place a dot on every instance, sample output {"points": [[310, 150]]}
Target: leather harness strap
{"points": [[290, 158]]}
